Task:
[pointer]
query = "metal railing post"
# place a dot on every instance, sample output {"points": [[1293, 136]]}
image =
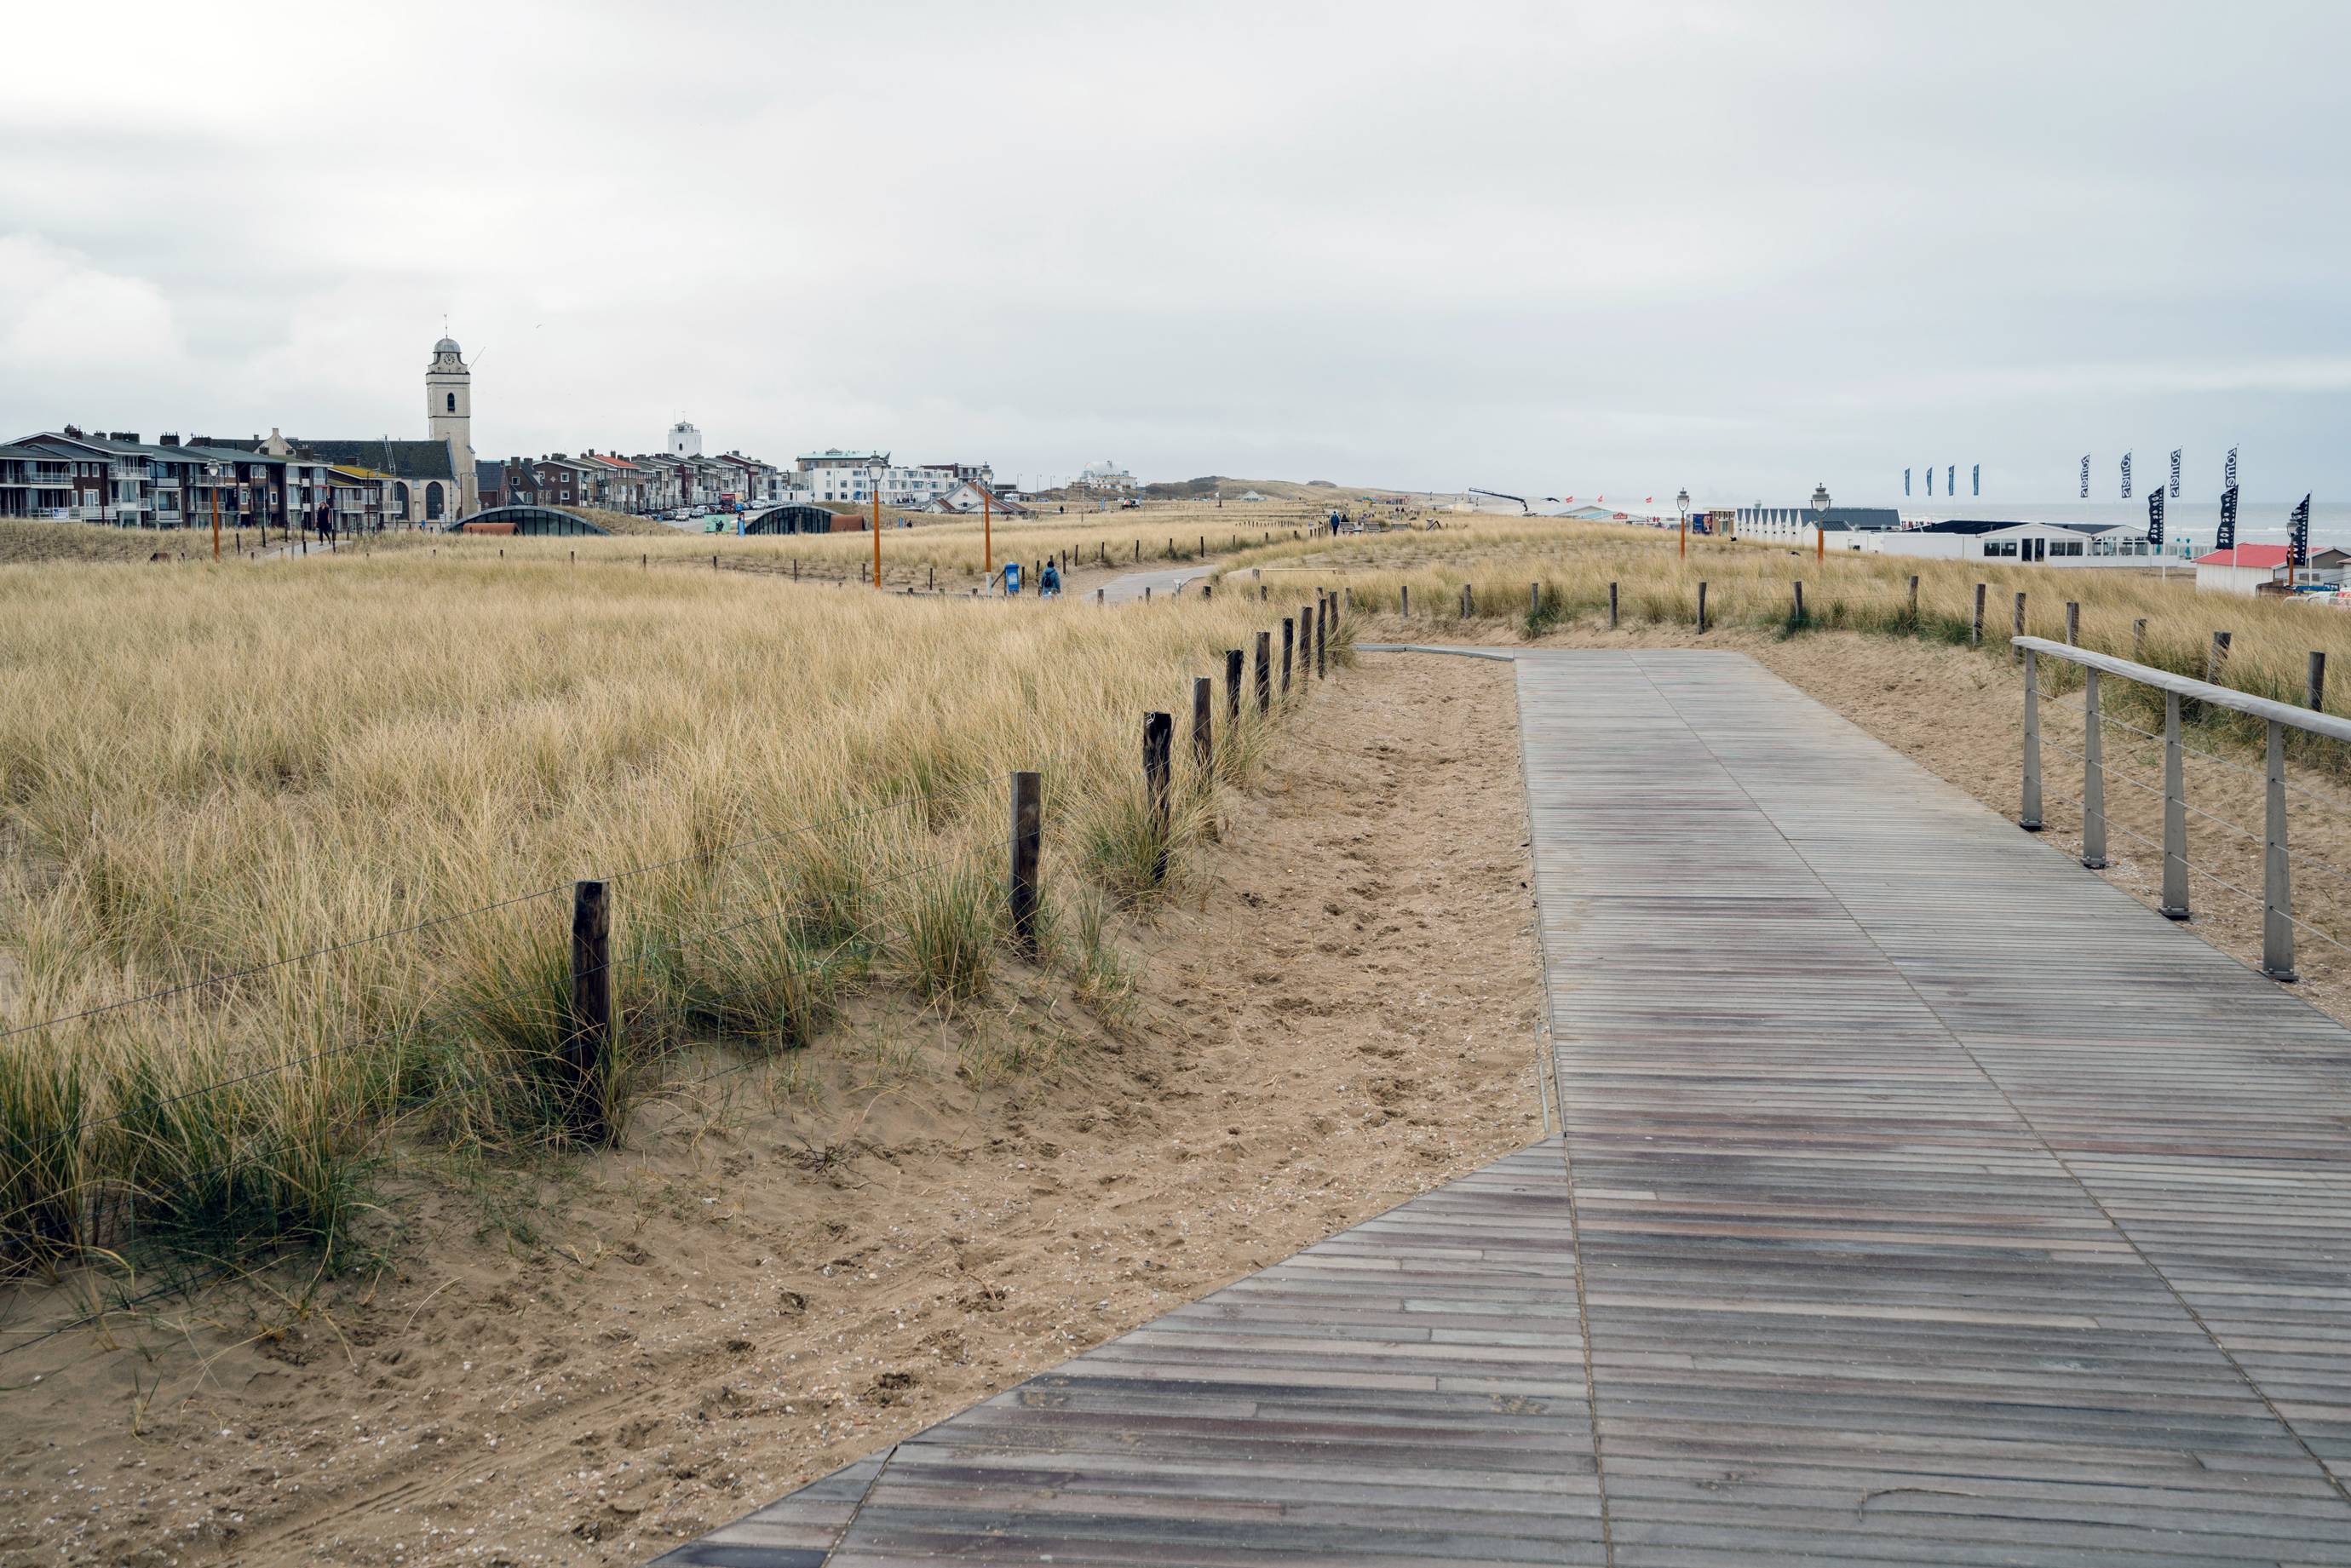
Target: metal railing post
{"points": [[2030, 818], [2175, 816], [2093, 777], [2277, 885]]}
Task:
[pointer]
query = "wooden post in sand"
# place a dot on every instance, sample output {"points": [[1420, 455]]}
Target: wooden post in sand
{"points": [[1264, 673], [587, 1047], [1158, 731], [2073, 623], [1233, 659], [1289, 637], [1204, 739], [1612, 607], [2314, 691], [1028, 839], [2020, 619], [2216, 663], [2139, 639], [1800, 603], [1979, 603]]}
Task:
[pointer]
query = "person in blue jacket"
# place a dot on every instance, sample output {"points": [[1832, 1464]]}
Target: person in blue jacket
{"points": [[1048, 582]]}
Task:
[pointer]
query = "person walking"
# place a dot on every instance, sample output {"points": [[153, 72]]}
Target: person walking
{"points": [[1048, 582]]}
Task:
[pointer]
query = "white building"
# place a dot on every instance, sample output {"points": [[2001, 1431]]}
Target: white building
{"points": [[1104, 475], [2052, 544], [683, 441], [970, 499], [838, 475], [2245, 570]]}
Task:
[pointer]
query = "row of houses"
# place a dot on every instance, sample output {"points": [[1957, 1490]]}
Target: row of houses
{"points": [[117, 477], [642, 483], [664, 482]]}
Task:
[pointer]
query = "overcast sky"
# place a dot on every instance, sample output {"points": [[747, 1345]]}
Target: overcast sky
{"points": [[1555, 248]]}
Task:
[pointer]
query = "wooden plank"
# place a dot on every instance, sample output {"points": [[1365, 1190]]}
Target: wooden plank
{"points": [[1922, 1199]]}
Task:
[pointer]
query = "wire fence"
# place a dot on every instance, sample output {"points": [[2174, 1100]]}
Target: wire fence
{"points": [[556, 1052]]}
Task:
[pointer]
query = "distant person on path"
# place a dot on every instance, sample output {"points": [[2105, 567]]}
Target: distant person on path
{"points": [[1048, 582]]}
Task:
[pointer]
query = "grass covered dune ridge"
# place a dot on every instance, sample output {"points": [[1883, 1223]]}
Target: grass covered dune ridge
{"points": [[210, 774], [1751, 584]]}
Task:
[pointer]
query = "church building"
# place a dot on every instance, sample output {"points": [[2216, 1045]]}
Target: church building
{"points": [[429, 481]]}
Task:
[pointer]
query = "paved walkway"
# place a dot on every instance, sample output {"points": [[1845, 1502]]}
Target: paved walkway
{"points": [[1119, 589], [1932, 1202]]}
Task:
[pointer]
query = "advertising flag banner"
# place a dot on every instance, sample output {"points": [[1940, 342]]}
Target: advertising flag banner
{"points": [[1951, 480], [1906, 481], [2175, 473], [2155, 518], [1978, 486], [2228, 536], [2127, 457], [2086, 475], [2297, 535], [2228, 479], [1930, 479]]}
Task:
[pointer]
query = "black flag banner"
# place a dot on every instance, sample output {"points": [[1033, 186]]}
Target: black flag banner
{"points": [[2175, 473], [2086, 475], [1951, 480], [1976, 487], [2297, 536], [2155, 519], [2127, 457], [1906, 481], [2228, 479], [2228, 535]]}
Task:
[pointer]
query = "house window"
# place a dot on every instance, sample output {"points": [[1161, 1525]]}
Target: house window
{"points": [[2008, 546], [432, 500], [453, 403]]}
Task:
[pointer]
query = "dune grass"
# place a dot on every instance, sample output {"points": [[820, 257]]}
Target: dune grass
{"points": [[209, 777]]}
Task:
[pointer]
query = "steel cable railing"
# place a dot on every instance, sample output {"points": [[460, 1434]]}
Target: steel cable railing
{"points": [[2279, 921]]}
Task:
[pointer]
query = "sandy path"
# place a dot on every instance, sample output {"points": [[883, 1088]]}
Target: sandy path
{"points": [[590, 1363]]}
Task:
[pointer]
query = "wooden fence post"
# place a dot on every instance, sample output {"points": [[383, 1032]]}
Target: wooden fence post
{"points": [[1233, 659], [1028, 838], [587, 1050], [2216, 663], [2020, 622], [1612, 607], [1979, 603], [1534, 600], [1914, 604], [1702, 609], [1323, 644], [1800, 601], [2073, 623], [1158, 732], [1404, 599], [2315, 689], [1288, 636], [1264, 672], [2029, 817], [1468, 602], [2277, 880], [2138, 641], [1204, 737]]}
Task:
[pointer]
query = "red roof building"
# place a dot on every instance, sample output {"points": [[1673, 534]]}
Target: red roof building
{"points": [[2265, 557]]}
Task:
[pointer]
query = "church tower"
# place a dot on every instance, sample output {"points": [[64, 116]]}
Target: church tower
{"points": [[449, 416]]}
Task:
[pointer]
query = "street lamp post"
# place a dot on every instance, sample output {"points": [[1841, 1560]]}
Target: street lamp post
{"points": [[1682, 502], [212, 472], [1820, 530]]}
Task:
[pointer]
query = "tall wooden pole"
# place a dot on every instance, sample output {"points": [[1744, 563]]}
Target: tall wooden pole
{"points": [[986, 532]]}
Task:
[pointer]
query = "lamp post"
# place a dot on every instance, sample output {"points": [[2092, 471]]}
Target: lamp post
{"points": [[212, 472], [1820, 530], [1682, 503]]}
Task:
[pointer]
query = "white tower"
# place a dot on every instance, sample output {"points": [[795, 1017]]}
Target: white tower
{"points": [[685, 441], [449, 416]]}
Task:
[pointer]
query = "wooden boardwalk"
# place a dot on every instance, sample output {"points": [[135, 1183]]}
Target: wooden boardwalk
{"points": [[1931, 1201]]}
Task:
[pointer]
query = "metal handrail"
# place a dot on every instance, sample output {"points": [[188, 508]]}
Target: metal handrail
{"points": [[2201, 691], [2277, 883]]}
